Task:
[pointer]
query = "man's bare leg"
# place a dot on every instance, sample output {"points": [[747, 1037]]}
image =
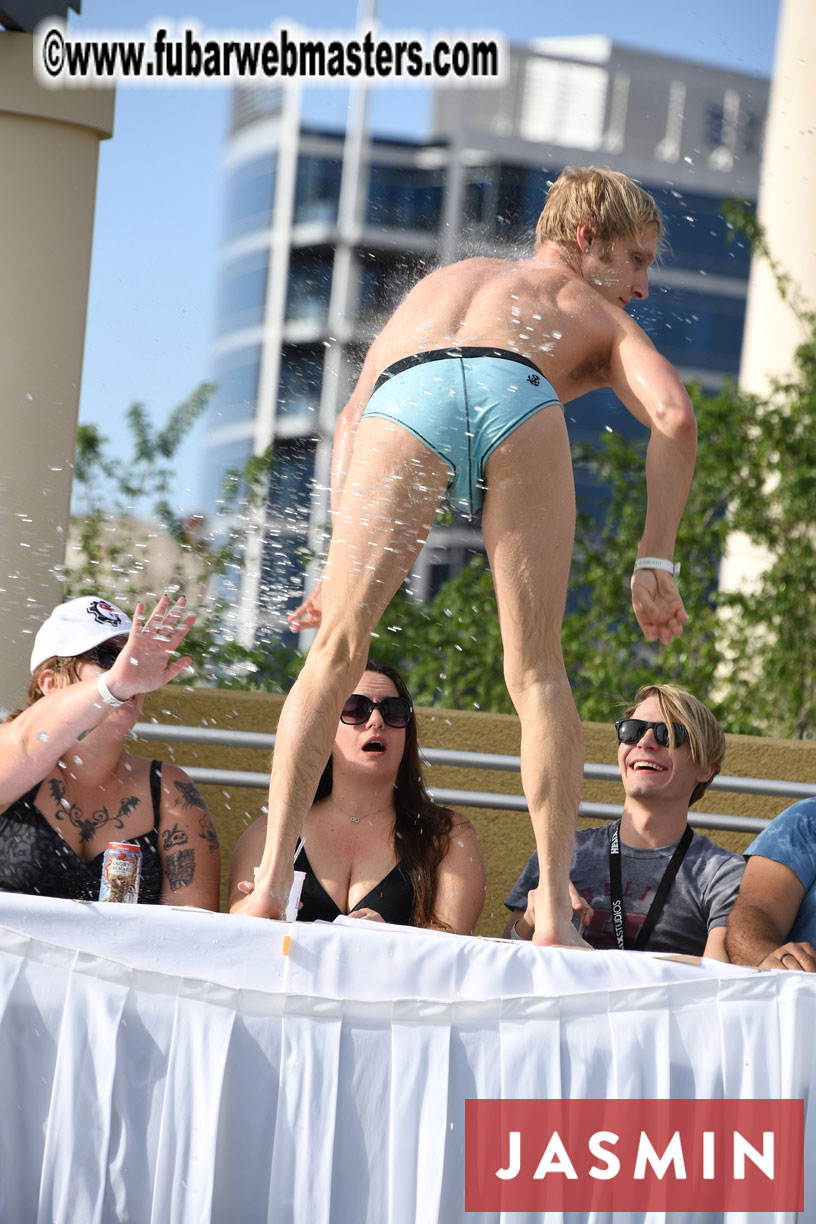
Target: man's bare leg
{"points": [[529, 526], [390, 497]]}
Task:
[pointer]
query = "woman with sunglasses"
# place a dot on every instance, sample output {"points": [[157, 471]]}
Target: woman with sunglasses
{"points": [[67, 788], [375, 845]]}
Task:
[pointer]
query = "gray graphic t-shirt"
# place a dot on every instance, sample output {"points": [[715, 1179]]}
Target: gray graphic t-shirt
{"points": [[700, 898]]}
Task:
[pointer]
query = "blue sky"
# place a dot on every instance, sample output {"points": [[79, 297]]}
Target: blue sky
{"points": [[159, 195]]}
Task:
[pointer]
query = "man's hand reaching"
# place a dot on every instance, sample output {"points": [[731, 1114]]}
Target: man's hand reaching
{"points": [[657, 605]]}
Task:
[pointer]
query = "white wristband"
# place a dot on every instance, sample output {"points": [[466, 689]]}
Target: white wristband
{"points": [[105, 693], [514, 933], [658, 563]]}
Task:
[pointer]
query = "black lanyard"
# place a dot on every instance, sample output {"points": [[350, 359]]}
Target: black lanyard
{"points": [[659, 899]]}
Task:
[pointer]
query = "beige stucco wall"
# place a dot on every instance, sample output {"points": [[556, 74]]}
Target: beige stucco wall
{"points": [[49, 148], [787, 210], [505, 837]]}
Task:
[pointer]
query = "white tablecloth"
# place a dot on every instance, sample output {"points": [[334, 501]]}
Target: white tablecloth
{"points": [[175, 1067]]}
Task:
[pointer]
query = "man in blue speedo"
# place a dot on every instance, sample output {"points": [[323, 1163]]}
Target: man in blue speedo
{"points": [[462, 390]]}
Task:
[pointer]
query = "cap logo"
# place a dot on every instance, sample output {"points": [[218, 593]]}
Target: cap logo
{"points": [[104, 613]]}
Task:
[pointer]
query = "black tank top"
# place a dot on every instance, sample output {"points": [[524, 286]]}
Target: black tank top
{"points": [[392, 898], [34, 858]]}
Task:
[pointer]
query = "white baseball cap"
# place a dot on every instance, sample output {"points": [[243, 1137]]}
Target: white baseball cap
{"points": [[77, 626]]}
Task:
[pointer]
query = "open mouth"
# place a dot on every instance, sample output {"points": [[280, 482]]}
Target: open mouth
{"points": [[649, 766], [374, 746]]}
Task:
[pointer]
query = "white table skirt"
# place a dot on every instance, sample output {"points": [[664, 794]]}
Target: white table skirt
{"points": [[174, 1067]]}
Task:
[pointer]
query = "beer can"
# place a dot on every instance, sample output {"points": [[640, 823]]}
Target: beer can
{"points": [[121, 872]]}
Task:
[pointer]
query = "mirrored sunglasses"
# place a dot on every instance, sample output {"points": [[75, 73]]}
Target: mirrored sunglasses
{"points": [[632, 731], [395, 711]]}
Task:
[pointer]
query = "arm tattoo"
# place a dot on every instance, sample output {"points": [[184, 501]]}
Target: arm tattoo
{"points": [[174, 837], [208, 833], [180, 869], [190, 796]]}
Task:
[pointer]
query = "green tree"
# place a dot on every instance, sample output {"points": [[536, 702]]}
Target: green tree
{"points": [[109, 542], [769, 641]]}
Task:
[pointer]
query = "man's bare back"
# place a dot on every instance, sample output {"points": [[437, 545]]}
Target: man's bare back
{"points": [[536, 307]]}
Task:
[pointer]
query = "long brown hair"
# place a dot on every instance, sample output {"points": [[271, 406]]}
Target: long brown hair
{"points": [[422, 828]]}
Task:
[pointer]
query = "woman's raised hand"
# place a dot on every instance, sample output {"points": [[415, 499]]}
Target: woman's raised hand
{"points": [[146, 661]]}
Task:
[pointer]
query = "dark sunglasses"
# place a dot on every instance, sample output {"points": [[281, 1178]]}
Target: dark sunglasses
{"points": [[106, 653], [632, 731], [396, 711]]}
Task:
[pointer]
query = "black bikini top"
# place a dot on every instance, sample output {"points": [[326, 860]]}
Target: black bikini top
{"points": [[392, 898]]}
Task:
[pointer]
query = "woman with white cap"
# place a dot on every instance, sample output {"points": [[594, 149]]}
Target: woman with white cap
{"points": [[67, 788]]}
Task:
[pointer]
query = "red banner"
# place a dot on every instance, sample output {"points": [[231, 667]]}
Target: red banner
{"points": [[645, 1155]]}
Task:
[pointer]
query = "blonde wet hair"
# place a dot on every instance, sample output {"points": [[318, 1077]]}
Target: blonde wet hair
{"points": [[610, 203], [706, 738]]}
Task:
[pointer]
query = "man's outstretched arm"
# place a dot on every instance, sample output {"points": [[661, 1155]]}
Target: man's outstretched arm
{"points": [[651, 389]]}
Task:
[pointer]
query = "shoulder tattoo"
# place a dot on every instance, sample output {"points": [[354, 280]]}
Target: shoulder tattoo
{"points": [[190, 796]]}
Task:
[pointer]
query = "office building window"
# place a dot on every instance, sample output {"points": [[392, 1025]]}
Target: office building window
{"points": [[699, 329], [317, 188], [290, 485], [404, 197], [236, 387], [242, 293], [299, 382], [309, 286], [522, 193], [698, 235], [475, 205], [384, 281], [220, 460], [250, 196]]}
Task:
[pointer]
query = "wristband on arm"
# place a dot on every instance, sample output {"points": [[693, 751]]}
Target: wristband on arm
{"points": [[105, 693], [658, 563]]}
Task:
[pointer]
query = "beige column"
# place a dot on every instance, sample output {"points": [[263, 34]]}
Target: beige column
{"points": [[49, 146], [787, 210]]}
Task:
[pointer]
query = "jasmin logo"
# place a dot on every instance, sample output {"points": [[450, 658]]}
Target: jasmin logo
{"points": [[646, 1155]]}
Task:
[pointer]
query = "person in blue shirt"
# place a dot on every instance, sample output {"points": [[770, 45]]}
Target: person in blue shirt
{"points": [[773, 922]]}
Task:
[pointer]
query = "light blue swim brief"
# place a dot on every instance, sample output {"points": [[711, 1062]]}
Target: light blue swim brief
{"points": [[462, 403]]}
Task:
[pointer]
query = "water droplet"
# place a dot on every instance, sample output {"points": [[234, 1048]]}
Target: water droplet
{"points": [[42, 736]]}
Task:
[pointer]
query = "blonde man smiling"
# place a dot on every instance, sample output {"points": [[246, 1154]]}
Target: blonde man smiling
{"points": [[650, 881]]}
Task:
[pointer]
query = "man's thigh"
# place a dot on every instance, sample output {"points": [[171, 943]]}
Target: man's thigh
{"points": [[529, 528], [389, 501]]}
